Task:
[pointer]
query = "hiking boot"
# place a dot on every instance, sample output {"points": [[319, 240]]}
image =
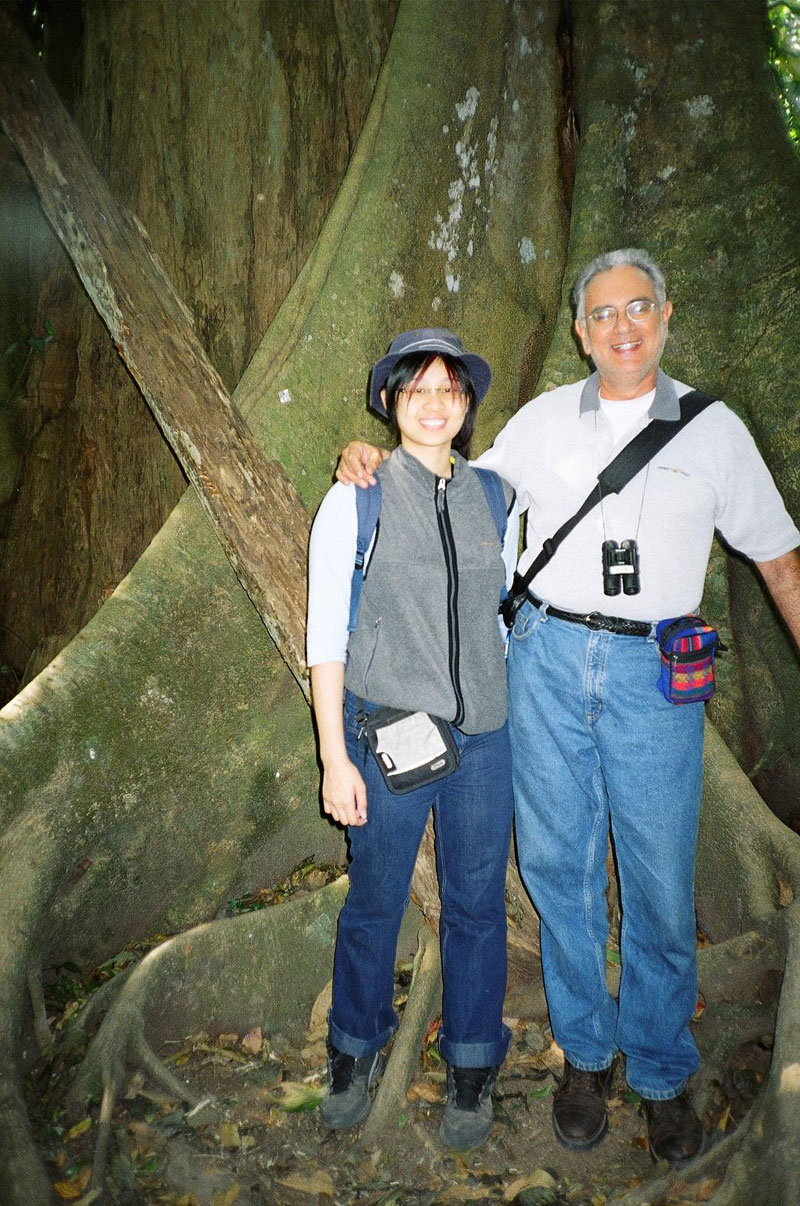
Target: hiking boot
{"points": [[468, 1115], [350, 1079], [674, 1130], [580, 1118]]}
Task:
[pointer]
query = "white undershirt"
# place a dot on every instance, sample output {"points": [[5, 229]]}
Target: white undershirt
{"points": [[624, 415]]}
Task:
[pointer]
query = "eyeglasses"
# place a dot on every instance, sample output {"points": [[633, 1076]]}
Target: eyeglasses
{"points": [[638, 310], [440, 391]]}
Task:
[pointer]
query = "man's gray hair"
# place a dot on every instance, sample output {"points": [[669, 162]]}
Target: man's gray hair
{"points": [[625, 257]]}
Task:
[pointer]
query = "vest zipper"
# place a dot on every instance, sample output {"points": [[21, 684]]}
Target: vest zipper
{"points": [[451, 562], [376, 632]]}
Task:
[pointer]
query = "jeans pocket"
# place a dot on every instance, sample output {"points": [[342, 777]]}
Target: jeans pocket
{"points": [[527, 621]]}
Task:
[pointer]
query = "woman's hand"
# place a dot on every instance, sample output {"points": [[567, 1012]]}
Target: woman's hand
{"points": [[358, 462], [344, 796]]}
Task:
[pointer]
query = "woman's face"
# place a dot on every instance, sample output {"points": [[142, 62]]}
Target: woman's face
{"points": [[430, 412]]}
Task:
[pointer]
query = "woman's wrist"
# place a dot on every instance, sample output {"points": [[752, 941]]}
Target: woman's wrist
{"points": [[334, 756]]}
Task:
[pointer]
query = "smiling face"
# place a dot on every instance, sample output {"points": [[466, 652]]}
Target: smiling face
{"points": [[626, 352], [429, 414]]}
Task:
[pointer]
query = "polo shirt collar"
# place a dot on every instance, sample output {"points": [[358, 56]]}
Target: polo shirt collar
{"points": [[665, 404]]}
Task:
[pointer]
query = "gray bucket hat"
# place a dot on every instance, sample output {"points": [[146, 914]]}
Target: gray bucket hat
{"points": [[427, 339]]}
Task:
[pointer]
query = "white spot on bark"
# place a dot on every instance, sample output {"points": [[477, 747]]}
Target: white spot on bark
{"points": [[524, 47], [700, 106], [527, 251], [469, 106], [155, 699], [397, 284], [189, 446], [445, 129], [515, 106], [629, 120]]}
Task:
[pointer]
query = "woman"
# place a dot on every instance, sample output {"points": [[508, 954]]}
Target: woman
{"points": [[427, 639]]}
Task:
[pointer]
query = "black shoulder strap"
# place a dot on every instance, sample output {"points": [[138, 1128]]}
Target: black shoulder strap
{"points": [[624, 467]]}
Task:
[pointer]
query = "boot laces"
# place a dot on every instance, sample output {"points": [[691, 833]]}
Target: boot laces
{"points": [[469, 1083]]}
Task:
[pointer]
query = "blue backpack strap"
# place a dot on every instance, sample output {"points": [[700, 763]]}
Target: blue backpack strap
{"points": [[495, 496], [368, 509]]}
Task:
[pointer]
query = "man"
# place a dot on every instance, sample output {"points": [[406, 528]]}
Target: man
{"points": [[594, 742]]}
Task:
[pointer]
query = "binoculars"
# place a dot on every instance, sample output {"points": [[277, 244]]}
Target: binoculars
{"points": [[621, 567]]}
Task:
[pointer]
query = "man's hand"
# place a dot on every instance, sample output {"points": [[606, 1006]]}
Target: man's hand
{"points": [[358, 463], [344, 796]]}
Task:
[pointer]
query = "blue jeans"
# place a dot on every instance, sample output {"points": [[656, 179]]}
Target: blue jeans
{"points": [[473, 810], [595, 743]]}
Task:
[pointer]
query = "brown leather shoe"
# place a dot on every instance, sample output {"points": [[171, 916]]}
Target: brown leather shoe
{"points": [[580, 1118], [674, 1130]]}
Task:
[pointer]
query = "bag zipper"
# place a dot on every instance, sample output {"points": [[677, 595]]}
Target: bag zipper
{"points": [[451, 563]]}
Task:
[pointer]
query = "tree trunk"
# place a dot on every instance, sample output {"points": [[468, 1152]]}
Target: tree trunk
{"points": [[251, 502], [231, 159]]}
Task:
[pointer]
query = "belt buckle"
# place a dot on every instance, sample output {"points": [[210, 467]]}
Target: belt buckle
{"points": [[594, 620]]}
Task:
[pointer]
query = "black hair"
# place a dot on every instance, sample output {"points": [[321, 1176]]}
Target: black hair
{"points": [[407, 371]]}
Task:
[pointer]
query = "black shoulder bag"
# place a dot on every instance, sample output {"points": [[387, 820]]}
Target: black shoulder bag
{"points": [[624, 467]]}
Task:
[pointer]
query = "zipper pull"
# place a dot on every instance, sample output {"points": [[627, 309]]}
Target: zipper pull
{"points": [[441, 486]]}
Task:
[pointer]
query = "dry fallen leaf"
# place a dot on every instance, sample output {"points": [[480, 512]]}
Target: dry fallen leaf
{"points": [[321, 1007], [701, 1191], [226, 1197], [72, 1189], [314, 1053], [462, 1193], [297, 1096], [228, 1040], [310, 1183], [553, 1058], [80, 1128], [253, 1041], [539, 1179], [424, 1090], [229, 1135]]}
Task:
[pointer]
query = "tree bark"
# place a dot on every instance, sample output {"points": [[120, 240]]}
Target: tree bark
{"points": [[251, 502], [226, 129]]}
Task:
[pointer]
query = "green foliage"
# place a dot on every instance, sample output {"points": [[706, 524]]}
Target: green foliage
{"points": [[784, 18]]}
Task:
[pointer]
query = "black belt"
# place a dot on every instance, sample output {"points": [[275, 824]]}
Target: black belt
{"points": [[596, 621]]}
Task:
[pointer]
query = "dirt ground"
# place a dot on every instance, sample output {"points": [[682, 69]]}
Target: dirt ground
{"points": [[259, 1137], [262, 1139]]}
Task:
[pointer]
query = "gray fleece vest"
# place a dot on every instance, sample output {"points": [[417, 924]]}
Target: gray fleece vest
{"points": [[427, 636]]}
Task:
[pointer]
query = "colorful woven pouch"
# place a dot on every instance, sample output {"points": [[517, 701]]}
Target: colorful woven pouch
{"points": [[689, 648]]}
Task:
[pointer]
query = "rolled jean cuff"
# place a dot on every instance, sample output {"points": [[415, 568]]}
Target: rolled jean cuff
{"points": [[475, 1055], [591, 1065], [357, 1047], [658, 1094]]}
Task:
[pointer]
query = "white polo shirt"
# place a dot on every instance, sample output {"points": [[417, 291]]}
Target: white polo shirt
{"points": [[710, 476]]}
